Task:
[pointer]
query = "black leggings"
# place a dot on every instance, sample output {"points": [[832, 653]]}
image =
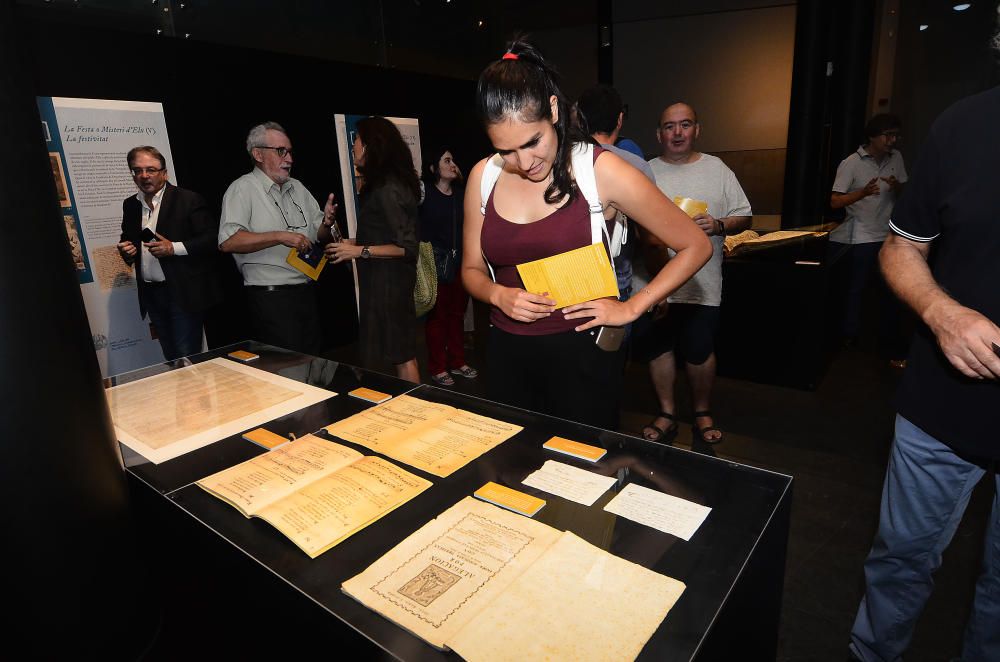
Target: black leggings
{"points": [[564, 375]]}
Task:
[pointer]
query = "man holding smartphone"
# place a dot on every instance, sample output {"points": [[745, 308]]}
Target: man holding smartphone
{"points": [[170, 237]]}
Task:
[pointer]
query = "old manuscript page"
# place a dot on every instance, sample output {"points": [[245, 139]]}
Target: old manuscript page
{"points": [[663, 512], [433, 437], [433, 582], [259, 482], [333, 508], [577, 602], [167, 415], [579, 275]]}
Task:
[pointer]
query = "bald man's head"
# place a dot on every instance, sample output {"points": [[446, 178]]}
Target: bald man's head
{"points": [[678, 130]]}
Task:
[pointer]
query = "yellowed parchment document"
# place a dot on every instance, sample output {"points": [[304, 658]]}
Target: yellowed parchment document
{"points": [[446, 572], [167, 415], [436, 438], [314, 491], [259, 482], [333, 508], [576, 602], [579, 275]]}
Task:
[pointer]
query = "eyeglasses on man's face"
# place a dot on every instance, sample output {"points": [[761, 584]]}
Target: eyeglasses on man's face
{"points": [[280, 151], [136, 172]]}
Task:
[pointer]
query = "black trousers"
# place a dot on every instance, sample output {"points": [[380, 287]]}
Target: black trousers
{"points": [[286, 318], [564, 375]]}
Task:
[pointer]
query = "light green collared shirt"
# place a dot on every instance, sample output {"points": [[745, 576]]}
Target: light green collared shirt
{"points": [[256, 204]]}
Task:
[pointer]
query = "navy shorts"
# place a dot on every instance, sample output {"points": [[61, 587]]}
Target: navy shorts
{"points": [[687, 328]]}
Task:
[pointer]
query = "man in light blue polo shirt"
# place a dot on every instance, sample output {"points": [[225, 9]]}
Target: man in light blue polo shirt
{"points": [[867, 185], [264, 214]]}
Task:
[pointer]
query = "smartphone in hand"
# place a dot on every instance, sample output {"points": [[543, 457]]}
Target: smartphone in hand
{"points": [[148, 235], [609, 338]]}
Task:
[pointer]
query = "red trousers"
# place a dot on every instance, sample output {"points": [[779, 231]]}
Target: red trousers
{"points": [[445, 328]]}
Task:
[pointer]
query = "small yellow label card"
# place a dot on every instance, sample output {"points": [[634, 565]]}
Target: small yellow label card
{"points": [[690, 206], [575, 448], [370, 395], [519, 502], [265, 438], [243, 355]]}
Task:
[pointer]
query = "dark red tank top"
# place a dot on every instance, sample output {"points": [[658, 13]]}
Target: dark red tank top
{"points": [[506, 245]]}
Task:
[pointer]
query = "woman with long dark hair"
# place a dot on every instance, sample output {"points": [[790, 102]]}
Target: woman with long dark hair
{"points": [[385, 250], [441, 225], [542, 358]]}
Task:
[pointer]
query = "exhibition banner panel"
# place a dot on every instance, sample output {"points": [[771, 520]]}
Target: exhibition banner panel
{"points": [[87, 141]]}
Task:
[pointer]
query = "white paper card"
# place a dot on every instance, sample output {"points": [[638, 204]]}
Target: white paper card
{"points": [[658, 510], [569, 482]]}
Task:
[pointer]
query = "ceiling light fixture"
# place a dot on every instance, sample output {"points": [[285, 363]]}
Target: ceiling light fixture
{"points": [[961, 6], [923, 26]]}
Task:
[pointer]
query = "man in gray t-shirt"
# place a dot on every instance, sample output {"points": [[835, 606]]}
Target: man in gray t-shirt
{"points": [[703, 186]]}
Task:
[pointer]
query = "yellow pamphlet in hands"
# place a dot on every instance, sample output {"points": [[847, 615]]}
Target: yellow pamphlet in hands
{"points": [[579, 275], [690, 206]]}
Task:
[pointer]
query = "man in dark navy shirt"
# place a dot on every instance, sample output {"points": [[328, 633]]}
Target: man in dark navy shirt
{"points": [[946, 428]]}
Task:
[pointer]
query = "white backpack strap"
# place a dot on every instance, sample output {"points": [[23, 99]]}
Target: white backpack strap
{"points": [[586, 181], [494, 166]]}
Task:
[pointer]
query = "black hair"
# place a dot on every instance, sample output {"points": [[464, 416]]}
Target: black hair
{"points": [[432, 153], [386, 156], [598, 109], [520, 86], [881, 123]]}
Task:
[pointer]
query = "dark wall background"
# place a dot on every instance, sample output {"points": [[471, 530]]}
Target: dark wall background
{"points": [[936, 67], [212, 95]]}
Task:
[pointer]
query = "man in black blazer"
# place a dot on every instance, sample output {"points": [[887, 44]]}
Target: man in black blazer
{"points": [[175, 273]]}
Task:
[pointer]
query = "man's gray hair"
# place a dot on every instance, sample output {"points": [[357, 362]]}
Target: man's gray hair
{"points": [[256, 136]]}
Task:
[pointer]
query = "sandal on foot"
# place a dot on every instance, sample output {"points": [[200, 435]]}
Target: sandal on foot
{"points": [[663, 435], [703, 431], [443, 379], [466, 371]]}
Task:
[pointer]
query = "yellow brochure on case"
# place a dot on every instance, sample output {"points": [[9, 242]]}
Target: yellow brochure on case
{"points": [[690, 206], [243, 355], [265, 438], [519, 502], [579, 275], [370, 395], [575, 448]]}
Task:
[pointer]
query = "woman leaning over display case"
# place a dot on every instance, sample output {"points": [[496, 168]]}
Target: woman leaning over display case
{"points": [[543, 358]]}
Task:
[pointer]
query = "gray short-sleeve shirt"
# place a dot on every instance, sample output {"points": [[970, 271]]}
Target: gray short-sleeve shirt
{"points": [[867, 219], [710, 180]]}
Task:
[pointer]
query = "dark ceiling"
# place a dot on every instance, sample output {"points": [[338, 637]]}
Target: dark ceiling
{"points": [[445, 37]]}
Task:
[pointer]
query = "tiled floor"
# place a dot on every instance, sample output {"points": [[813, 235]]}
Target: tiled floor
{"points": [[835, 442]]}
